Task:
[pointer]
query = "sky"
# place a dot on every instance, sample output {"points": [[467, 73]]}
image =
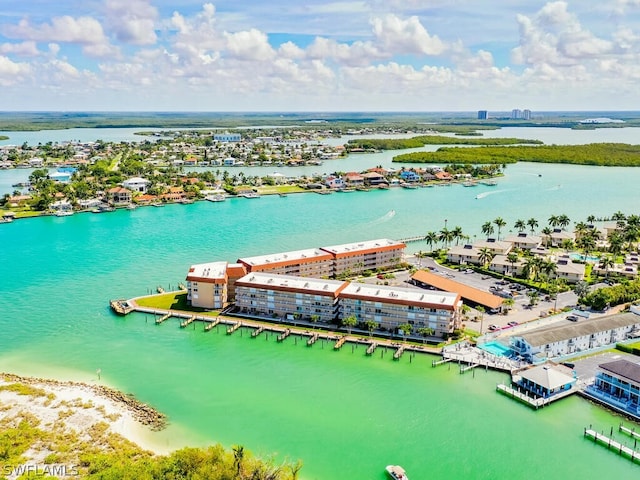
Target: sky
{"points": [[312, 55]]}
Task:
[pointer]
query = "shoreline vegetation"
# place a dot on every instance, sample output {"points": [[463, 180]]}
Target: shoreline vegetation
{"points": [[422, 140], [56, 428], [598, 154]]}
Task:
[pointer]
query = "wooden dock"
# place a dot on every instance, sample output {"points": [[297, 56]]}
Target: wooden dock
{"points": [[121, 306], [341, 341], [533, 402], [435, 363], [372, 348], [211, 325], [466, 368], [399, 352], [629, 431], [312, 339], [284, 335], [257, 332], [611, 444], [188, 321], [163, 318], [233, 327]]}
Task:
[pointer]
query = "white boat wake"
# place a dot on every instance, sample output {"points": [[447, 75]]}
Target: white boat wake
{"points": [[486, 194], [385, 218], [557, 187]]}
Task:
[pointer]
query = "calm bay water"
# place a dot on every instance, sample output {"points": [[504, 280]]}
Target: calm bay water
{"points": [[344, 414]]}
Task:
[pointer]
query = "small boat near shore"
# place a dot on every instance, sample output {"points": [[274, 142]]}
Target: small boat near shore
{"points": [[218, 197], [396, 472], [63, 213]]}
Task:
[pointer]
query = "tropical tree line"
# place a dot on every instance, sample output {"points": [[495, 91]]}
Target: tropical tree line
{"points": [[422, 140], [603, 154]]}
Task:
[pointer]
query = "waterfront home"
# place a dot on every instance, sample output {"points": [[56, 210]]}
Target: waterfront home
{"points": [[61, 205], [207, 285], [409, 176], [119, 195], [496, 247], [175, 194], [558, 236], [443, 176], [146, 199], [335, 182], [464, 254], [471, 295], [524, 241], [354, 179], [501, 264], [617, 385], [390, 307], [288, 297], [545, 381], [19, 200], [136, 184], [311, 262], [373, 179], [575, 337], [569, 271]]}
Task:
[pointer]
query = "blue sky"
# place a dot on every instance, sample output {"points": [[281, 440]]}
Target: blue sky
{"points": [[287, 55]]}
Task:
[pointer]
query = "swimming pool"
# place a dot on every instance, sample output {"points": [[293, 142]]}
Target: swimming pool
{"points": [[496, 348], [583, 258]]}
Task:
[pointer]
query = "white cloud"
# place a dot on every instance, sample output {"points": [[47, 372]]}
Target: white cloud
{"points": [[395, 35], [23, 49], [85, 31], [12, 73], [249, 45], [132, 21]]}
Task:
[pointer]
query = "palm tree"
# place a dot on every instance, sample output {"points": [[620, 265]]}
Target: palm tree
{"points": [[425, 332], [548, 267], [563, 221], [567, 244], [485, 255], [546, 231], [616, 241], [349, 322], [406, 330], [553, 221], [431, 238], [533, 224], [499, 222], [591, 219], [581, 289], [520, 225], [619, 217], [238, 456], [606, 262], [457, 234], [445, 236], [512, 258], [487, 229], [532, 267]]}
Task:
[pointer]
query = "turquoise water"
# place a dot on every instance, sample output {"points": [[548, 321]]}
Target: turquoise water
{"points": [[496, 348], [583, 258], [344, 414]]}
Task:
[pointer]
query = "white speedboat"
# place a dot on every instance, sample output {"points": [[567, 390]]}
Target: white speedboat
{"points": [[219, 197], [397, 472], [63, 213]]}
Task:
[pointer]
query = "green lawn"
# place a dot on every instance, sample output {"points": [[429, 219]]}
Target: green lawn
{"points": [[172, 301]]}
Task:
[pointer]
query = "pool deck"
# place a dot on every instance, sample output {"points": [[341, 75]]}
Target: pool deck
{"points": [[464, 353]]}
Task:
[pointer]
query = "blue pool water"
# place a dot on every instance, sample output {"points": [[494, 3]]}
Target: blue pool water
{"points": [[583, 258], [496, 348]]}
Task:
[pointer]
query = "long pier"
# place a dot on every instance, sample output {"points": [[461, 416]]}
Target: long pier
{"points": [[611, 444], [312, 334], [257, 332], [629, 431]]}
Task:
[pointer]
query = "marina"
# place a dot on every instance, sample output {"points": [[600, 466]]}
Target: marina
{"points": [[280, 374]]}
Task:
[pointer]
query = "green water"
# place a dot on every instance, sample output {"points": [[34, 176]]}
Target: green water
{"points": [[344, 414]]}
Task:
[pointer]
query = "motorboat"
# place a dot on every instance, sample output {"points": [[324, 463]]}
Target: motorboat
{"points": [[63, 213], [218, 197], [396, 472]]}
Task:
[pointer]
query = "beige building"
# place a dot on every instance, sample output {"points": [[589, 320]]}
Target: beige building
{"points": [[464, 254], [288, 297], [361, 256], [312, 262], [524, 241], [207, 285], [391, 307]]}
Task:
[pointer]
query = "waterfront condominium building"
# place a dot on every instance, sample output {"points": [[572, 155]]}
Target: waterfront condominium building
{"points": [[390, 307], [288, 297], [482, 115], [207, 285], [312, 262], [355, 258]]}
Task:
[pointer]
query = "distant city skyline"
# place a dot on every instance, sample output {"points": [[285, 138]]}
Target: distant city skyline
{"points": [[356, 55]]}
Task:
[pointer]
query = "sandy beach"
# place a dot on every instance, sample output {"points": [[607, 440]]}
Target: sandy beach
{"points": [[75, 408]]}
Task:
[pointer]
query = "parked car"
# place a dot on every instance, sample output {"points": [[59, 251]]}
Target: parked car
{"points": [[513, 323], [493, 328], [573, 318]]}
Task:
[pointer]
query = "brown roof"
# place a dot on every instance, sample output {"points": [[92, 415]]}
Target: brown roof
{"points": [[466, 292], [623, 368]]}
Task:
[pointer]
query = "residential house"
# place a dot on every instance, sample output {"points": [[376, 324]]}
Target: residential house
{"points": [[501, 264], [374, 179], [496, 247], [617, 385], [119, 195], [463, 254], [335, 182], [524, 241], [137, 184], [409, 176], [545, 381], [354, 179], [569, 271]]}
